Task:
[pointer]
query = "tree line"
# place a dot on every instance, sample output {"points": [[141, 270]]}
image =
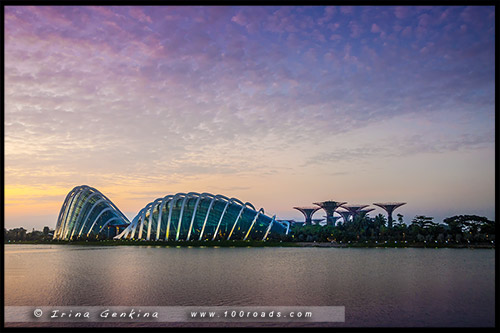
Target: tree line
{"points": [[21, 234], [458, 229], [455, 229]]}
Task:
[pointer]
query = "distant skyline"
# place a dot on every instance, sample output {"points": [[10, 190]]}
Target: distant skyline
{"points": [[277, 106]]}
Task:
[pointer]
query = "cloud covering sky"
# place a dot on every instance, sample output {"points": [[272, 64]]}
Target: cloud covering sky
{"points": [[278, 106]]}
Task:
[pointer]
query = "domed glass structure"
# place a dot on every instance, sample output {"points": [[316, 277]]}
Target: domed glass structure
{"points": [[87, 213], [195, 216]]}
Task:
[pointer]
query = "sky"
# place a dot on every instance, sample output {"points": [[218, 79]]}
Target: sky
{"points": [[277, 106]]}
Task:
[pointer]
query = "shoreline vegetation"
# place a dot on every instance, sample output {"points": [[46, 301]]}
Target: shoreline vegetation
{"points": [[236, 243], [459, 231]]}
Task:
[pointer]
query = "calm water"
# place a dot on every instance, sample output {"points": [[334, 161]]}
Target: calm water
{"points": [[378, 287]]}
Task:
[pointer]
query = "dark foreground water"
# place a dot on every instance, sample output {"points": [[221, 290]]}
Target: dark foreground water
{"points": [[378, 286]]}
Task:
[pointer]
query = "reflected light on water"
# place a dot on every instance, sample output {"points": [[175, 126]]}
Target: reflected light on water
{"points": [[378, 287]]}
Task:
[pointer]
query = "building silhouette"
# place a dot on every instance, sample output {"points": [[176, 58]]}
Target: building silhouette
{"points": [[354, 209], [345, 215], [308, 213], [88, 214], [330, 207], [389, 207]]}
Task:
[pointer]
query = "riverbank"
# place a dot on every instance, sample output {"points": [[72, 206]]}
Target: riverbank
{"points": [[397, 245], [236, 243], [194, 243]]}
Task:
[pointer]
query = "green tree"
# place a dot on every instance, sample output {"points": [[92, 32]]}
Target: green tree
{"points": [[380, 220], [423, 222], [470, 223]]}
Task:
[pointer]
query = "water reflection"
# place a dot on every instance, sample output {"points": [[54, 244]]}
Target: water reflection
{"points": [[378, 287]]}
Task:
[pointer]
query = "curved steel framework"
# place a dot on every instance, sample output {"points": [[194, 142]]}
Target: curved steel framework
{"points": [[331, 220], [354, 209], [363, 212], [195, 216], [345, 215], [308, 213], [330, 207], [86, 213], [389, 207]]}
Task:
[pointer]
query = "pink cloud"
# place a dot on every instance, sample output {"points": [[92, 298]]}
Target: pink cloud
{"points": [[329, 56], [250, 19], [424, 20], [329, 12], [427, 48], [444, 15], [239, 19], [53, 14], [375, 28], [311, 55], [397, 27], [347, 10], [318, 36], [406, 32], [333, 26], [356, 29], [423, 23], [401, 12], [283, 20], [138, 14], [347, 52], [105, 11]]}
